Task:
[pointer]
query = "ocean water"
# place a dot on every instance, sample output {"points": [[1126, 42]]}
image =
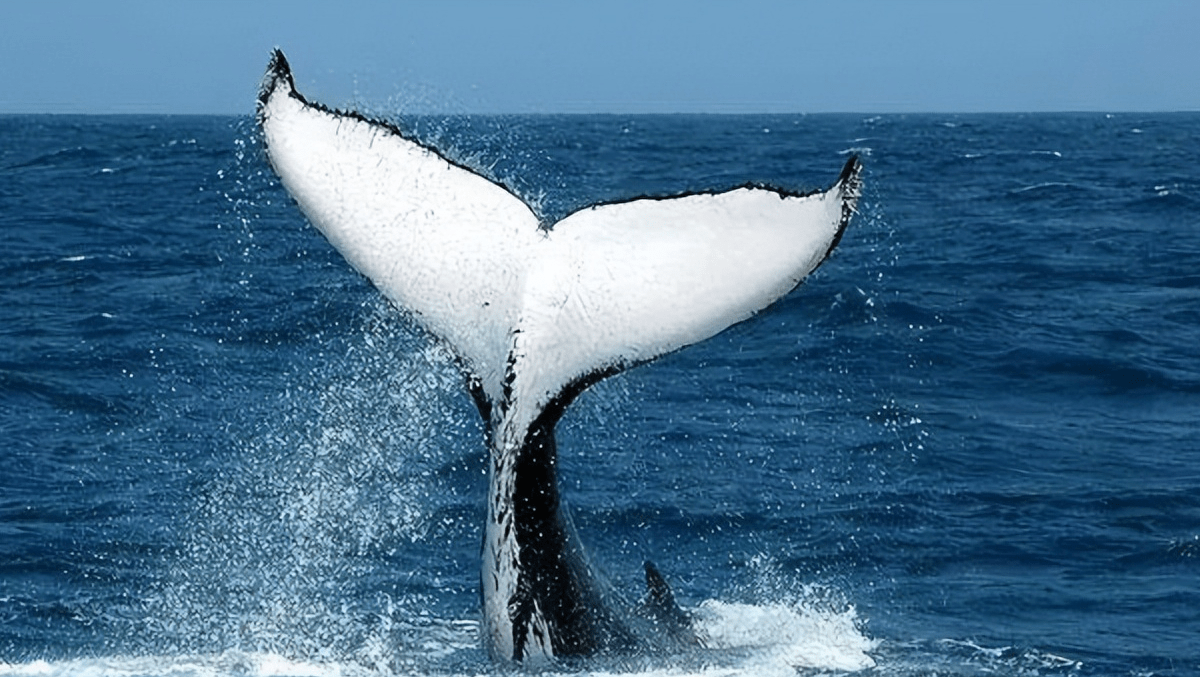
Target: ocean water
{"points": [[968, 445]]}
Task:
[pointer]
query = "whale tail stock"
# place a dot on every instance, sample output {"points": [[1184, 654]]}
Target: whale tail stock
{"points": [[537, 314]]}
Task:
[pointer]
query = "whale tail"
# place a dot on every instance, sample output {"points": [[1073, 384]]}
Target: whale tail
{"points": [[535, 314]]}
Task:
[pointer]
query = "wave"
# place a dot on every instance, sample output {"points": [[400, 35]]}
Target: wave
{"points": [[1045, 185], [1113, 374], [783, 638], [774, 639], [76, 156], [1162, 200], [228, 663], [862, 151]]}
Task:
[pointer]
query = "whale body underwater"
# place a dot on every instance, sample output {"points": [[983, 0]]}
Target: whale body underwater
{"points": [[535, 313]]}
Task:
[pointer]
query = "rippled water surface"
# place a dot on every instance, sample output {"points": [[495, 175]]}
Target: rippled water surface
{"points": [[968, 445]]}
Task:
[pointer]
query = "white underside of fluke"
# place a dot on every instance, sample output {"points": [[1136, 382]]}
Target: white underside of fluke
{"points": [[608, 286], [531, 310]]}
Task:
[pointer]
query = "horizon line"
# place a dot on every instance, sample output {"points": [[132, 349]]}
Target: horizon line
{"points": [[448, 114]]}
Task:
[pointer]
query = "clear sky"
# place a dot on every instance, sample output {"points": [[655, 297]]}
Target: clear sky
{"points": [[876, 56]]}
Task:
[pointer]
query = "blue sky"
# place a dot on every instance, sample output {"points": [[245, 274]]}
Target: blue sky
{"points": [[880, 56]]}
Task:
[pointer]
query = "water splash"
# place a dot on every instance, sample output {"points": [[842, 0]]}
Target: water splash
{"points": [[778, 638]]}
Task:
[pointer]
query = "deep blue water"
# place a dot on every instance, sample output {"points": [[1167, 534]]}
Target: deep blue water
{"points": [[968, 445]]}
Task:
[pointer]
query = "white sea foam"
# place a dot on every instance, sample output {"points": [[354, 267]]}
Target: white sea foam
{"points": [[780, 638], [764, 640], [229, 663]]}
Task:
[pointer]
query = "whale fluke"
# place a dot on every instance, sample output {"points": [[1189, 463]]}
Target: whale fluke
{"points": [[536, 313]]}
